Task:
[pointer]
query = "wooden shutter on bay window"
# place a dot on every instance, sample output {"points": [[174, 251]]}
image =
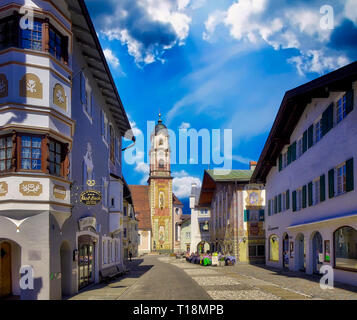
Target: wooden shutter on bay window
{"points": [[331, 183], [349, 175]]}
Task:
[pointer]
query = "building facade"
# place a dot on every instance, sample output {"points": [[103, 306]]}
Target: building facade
{"points": [[61, 127], [185, 238], [158, 209], [237, 214], [307, 166], [200, 223]]}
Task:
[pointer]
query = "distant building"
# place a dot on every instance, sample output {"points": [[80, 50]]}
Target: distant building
{"points": [[200, 222], [308, 167], [237, 213], [159, 210], [185, 229]]}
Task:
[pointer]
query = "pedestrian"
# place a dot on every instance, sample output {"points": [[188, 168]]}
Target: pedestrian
{"points": [[130, 255]]}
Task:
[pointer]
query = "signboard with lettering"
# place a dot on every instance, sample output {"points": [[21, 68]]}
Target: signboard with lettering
{"points": [[91, 197]]}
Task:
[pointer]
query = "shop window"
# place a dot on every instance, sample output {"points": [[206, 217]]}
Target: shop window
{"points": [[5, 153], [31, 153], [345, 248], [274, 248]]}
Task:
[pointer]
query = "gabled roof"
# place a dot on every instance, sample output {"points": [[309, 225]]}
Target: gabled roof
{"points": [[291, 110], [140, 196], [85, 35], [212, 177], [176, 201]]}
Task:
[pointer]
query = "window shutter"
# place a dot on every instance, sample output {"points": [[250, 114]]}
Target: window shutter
{"points": [[349, 101], [304, 142], [310, 136], [310, 193], [322, 188], [269, 208], [331, 183], [279, 202], [289, 155], [287, 200], [261, 215], [246, 215], [349, 175], [280, 162], [276, 205], [304, 196], [293, 152], [294, 201]]}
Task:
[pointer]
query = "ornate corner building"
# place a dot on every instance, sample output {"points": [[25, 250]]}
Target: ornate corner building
{"points": [[61, 125]]}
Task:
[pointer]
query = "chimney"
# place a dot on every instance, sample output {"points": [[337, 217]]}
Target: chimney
{"points": [[252, 165]]}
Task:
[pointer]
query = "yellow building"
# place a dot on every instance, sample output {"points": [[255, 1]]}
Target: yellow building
{"points": [[237, 214]]}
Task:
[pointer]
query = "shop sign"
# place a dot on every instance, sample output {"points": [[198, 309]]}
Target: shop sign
{"points": [[91, 197]]}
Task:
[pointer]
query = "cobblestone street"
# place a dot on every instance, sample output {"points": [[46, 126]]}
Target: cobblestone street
{"points": [[162, 277]]}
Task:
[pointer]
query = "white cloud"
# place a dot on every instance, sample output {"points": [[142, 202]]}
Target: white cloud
{"points": [[350, 10], [148, 27], [112, 59], [185, 125], [241, 159], [181, 184]]}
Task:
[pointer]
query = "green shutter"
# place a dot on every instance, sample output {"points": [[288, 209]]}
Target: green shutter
{"points": [[246, 215], [331, 183], [269, 208], [304, 142], [289, 155], [293, 152], [349, 175], [310, 193], [287, 200], [349, 101], [322, 188], [279, 202], [327, 119], [276, 205], [304, 196], [280, 162], [310, 135], [294, 201], [261, 215]]}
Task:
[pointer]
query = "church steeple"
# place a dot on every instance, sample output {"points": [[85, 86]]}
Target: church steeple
{"points": [[160, 150]]}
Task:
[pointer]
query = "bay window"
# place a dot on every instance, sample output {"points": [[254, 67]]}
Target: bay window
{"points": [[55, 158], [8, 32], [32, 38], [31, 153]]}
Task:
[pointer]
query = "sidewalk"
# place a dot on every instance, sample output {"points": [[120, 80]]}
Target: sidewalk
{"points": [[288, 284]]}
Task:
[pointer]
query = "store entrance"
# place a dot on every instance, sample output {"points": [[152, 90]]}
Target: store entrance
{"points": [[86, 264]]}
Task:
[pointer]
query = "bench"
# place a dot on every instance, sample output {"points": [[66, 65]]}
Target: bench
{"points": [[109, 273]]}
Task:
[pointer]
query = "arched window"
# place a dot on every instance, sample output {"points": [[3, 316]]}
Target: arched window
{"points": [[274, 248], [161, 164], [345, 248], [161, 142]]}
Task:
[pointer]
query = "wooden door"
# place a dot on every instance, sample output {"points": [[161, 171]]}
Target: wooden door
{"points": [[5, 269]]}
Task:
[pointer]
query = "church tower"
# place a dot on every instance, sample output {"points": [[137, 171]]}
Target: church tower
{"points": [[160, 184]]}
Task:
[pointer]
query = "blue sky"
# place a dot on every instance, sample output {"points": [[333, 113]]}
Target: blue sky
{"points": [[218, 64]]}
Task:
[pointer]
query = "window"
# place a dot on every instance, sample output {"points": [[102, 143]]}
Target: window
{"points": [[31, 153], [112, 144], [256, 251], [299, 147], [341, 179], [188, 235], [316, 192], [299, 200], [5, 153], [32, 39], [55, 158], [8, 32], [124, 232], [318, 131], [125, 211], [341, 109], [161, 164], [285, 160], [283, 201], [56, 43], [86, 96], [345, 248]]}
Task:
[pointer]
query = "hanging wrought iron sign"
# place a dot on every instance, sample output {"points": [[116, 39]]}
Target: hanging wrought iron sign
{"points": [[90, 197]]}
